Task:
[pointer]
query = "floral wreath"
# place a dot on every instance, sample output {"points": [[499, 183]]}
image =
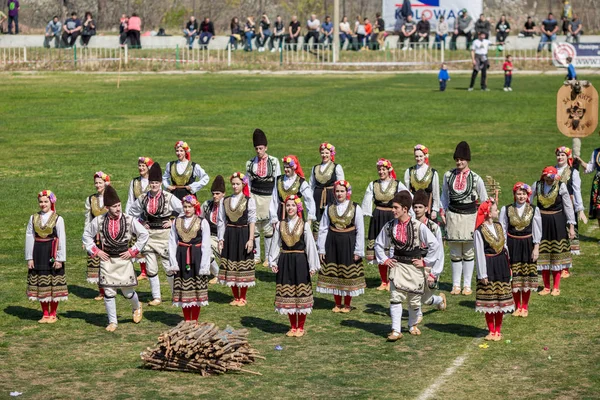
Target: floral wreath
{"points": [[425, 151], [50, 195], [102, 176], [329, 147], [297, 201], [347, 185], [185, 147], [146, 160]]}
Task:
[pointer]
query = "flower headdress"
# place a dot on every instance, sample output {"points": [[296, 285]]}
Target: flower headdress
{"points": [[244, 180], [329, 147], [382, 162], [51, 196], [185, 147], [347, 185], [425, 151]]}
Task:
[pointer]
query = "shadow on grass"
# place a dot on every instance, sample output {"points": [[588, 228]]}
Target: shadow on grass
{"points": [[265, 276], [218, 297], [584, 238], [377, 309], [375, 328], [467, 304], [373, 282], [323, 304], [26, 313], [445, 287], [84, 292], [458, 329], [96, 319], [166, 318], [264, 325]]}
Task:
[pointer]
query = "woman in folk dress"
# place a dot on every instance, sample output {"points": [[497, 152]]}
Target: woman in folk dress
{"points": [[94, 207]]}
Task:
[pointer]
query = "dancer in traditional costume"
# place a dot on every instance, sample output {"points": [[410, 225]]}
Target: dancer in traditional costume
{"points": [[262, 171], [558, 218], [183, 176], [570, 177], [381, 191], [94, 207], [522, 225], [137, 187], [421, 201], [461, 190], [406, 236], [294, 258], [116, 266], [422, 176], [291, 183], [341, 245], [593, 166], [237, 219], [322, 178], [494, 292], [189, 254], [210, 212], [157, 209], [46, 253]]}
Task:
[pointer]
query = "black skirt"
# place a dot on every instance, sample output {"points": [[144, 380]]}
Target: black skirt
{"points": [[340, 274], [44, 282], [180, 193], [318, 196], [524, 270], [555, 248], [595, 197], [293, 290], [237, 265], [496, 295], [378, 220], [189, 287]]}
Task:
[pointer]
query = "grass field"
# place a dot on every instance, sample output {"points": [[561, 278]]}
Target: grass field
{"points": [[56, 130]]}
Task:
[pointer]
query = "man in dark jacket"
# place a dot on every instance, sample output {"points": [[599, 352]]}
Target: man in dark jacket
{"points": [[482, 25], [207, 32], [423, 29]]}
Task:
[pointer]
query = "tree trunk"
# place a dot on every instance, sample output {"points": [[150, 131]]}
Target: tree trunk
{"points": [[101, 19]]}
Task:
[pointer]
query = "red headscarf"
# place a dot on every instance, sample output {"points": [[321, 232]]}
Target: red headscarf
{"points": [[293, 162], [521, 186], [190, 198], [345, 184], [567, 151], [185, 147], [51, 196], [329, 147], [483, 212], [425, 151], [298, 201], [146, 160], [102, 176], [550, 172], [244, 180], [382, 162]]}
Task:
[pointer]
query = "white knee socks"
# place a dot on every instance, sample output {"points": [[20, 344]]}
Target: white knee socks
{"points": [[467, 270], [155, 287], [135, 302], [111, 309], [413, 315], [396, 313], [457, 268]]}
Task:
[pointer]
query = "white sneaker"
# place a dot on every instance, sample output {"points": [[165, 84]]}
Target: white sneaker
{"points": [[273, 50], [510, 89], [506, 89], [470, 89], [404, 48], [410, 48]]}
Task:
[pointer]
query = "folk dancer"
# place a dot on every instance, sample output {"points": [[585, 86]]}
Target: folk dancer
{"points": [[210, 212], [94, 207], [292, 182], [422, 176], [183, 176]]}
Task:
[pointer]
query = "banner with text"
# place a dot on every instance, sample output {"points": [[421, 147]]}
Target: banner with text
{"points": [[583, 54], [432, 10]]}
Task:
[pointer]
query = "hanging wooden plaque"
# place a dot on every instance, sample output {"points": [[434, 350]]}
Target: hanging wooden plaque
{"points": [[577, 109]]}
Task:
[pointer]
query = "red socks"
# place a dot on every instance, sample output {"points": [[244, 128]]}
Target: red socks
{"points": [[525, 302], [187, 313], [143, 268], [243, 291], [383, 271], [546, 278], [347, 301], [338, 300], [517, 297], [494, 321], [489, 319], [498, 317], [53, 307], [556, 278], [301, 320], [293, 321], [236, 292], [195, 313], [45, 306], [101, 291]]}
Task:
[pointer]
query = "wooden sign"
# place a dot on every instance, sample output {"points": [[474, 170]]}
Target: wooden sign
{"points": [[577, 109]]}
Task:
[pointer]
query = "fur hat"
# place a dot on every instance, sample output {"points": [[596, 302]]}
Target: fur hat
{"points": [[403, 198], [463, 151], [259, 138], [421, 197], [218, 184], [155, 173], [110, 197]]}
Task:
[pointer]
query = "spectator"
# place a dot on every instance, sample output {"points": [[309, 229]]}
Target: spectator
{"points": [[53, 30], [507, 67], [368, 32], [462, 27], [249, 32], [207, 32], [191, 31], [441, 32], [483, 25], [549, 29], [502, 31], [398, 27], [345, 32], [71, 30], [264, 33], [3, 18], [571, 74], [443, 77], [294, 32], [312, 25], [360, 32], [326, 31], [134, 27], [480, 61], [567, 14], [278, 33], [13, 16], [528, 28], [423, 30], [409, 30], [88, 29], [575, 30], [378, 36], [123, 29], [236, 33]]}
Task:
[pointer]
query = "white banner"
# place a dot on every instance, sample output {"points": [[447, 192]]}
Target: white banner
{"points": [[432, 10]]}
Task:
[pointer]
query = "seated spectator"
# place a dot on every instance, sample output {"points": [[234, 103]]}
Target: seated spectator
{"points": [[423, 30], [3, 18], [502, 30], [528, 28], [264, 33], [549, 29], [441, 32], [483, 25], [71, 30], [278, 34], [345, 32], [575, 30], [236, 33], [53, 32], [312, 25], [326, 32], [360, 32], [409, 31], [294, 33], [123, 29], [249, 32], [134, 27], [378, 35], [191, 31], [207, 32], [463, 26], [88, 29]]}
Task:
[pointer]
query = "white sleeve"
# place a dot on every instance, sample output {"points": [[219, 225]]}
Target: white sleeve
{"points": [[136, 209], [202, 181], [176, 205], [88, 213], [481, 192], [206, 248], [445, 200], [276, 168], [367, 203], [309, 201], [537, 226], [173, 240], [89, 234], [533, 192], [433, 246], [141, 233], [323, 230], [435, 187], [401, 187], [480, 256], [577, 200], [221, 220], [275, 249], [339, 173], [130, 198], [359, 221], [166, 181], [314, 264], [590, 165], [382, 243], [248, 170], [438, 268], [567, 204], [274, 205], [503, 220], [29, 240], [312, 181], [61, 251], [407, 178], [251, 211]]}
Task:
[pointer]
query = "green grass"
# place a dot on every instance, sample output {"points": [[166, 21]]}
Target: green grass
{"points": [[58, 129]]}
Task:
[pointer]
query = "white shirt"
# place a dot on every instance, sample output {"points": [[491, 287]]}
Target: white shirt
{"points": [[481, 47], [339, 174], [222, 221], [566, 199], [312, 255], [359, 248], [367, 203], [435, 184], [537, 221], [61, 251], [174, 204], [576, 181], [137, 229], [307, 198], [206, 245], [88, 210], [344, 26], [180, 166], [316, 24]]}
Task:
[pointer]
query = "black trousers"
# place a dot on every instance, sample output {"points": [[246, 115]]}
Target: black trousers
{"points": [[483, 67], [315, 36], [69, 39], [460, 33], [85, 39], [134, 39]]}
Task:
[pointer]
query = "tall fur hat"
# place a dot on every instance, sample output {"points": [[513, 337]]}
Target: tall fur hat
{"points": [[259, 138], [463, 151], [110, 197], [421, 197], [403, 198], [218, 184], [155, 173]]}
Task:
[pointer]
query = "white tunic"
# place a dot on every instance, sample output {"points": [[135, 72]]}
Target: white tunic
{"points": [[307, 198], [137, 229], [359, 248], [222, 221], [131, 195], [180, 166], [206, 244], [61, 251], [314, 263], [435, 184], [174, 204], [367, 203]]}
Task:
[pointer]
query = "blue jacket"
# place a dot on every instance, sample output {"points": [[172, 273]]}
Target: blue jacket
{"points": [[443, 75], [54, 28], [571, 74]]}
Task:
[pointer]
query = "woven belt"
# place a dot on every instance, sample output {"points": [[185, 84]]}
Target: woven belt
{"points": [[323, 202], [384, 208], [292, 251], [519, 237], [188, 252], [237, 226], [342, 230], [550, 212]]}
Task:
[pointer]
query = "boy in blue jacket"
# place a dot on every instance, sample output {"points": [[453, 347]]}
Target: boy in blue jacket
{"points": [[443, 77], [571, 74]]}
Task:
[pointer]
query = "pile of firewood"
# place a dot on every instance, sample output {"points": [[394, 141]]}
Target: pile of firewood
{"points": [[203, 349]]}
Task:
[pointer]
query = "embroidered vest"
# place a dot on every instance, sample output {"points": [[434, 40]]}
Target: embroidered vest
{"points": [[520, 226], [261, 185], [383, 198]]}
